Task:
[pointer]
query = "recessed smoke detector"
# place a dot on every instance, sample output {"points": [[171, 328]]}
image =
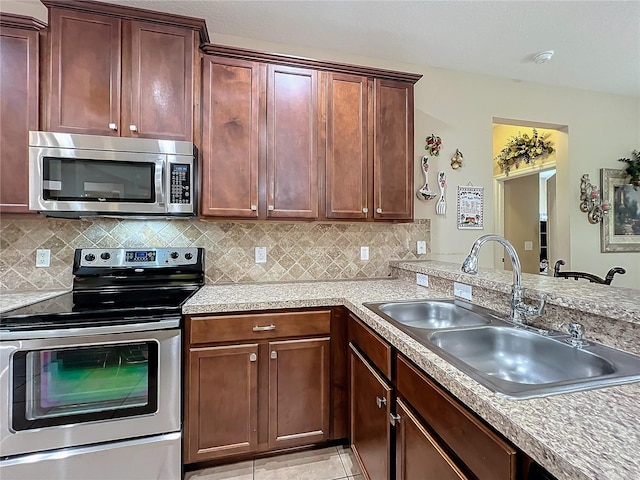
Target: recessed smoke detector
{"points": [[543, 57]]}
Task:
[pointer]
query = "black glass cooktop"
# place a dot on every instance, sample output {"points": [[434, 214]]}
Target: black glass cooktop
{"points": [[98, 308]]}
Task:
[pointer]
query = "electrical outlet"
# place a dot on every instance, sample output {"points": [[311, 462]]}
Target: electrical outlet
{"points": [[364, 253], [261, 254], [43, 258], [422, 279], [421, 247], [461, 290]]}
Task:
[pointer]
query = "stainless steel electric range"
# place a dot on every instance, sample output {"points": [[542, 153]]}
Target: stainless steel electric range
{"points": [[90, 380]]}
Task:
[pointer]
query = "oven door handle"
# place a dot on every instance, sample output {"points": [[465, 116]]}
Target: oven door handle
{"points": [[165, 324]]}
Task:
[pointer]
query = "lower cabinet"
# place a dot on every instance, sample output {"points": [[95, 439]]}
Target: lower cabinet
{"points": [[418, 454], [370, 409], [261, 389]]}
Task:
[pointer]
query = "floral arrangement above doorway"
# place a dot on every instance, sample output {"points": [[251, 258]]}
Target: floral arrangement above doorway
{"points": [[633, 167], [523, 148]]}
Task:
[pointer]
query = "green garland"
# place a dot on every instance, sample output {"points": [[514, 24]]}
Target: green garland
{"points": [[633, 167], [523, 148]]}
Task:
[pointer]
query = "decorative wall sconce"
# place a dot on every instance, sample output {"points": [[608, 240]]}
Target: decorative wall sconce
{"points": [[590, 202]]}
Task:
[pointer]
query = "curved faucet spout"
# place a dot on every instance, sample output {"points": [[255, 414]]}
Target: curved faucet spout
{"points": [[518, 308], [470, 264]]}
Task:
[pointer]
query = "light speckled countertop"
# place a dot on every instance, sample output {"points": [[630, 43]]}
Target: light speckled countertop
{"points": [[583, 435], [606, 300], [9, 301]]}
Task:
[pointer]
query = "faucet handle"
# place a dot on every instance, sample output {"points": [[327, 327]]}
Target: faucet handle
{"points": [[576, 330], [533, 310]]}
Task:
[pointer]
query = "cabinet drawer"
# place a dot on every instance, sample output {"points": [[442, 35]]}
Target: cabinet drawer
{"points": [[374, 347], [224, 328], [487, 455]]}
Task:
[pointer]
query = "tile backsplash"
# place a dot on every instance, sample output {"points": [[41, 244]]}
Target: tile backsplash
{"points": [[295, 250]]}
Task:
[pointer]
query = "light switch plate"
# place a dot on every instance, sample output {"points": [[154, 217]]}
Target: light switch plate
{"points": [[364, 253], [461, 290], [528, 245], [422, 279], [421, 247], [261, 254]]}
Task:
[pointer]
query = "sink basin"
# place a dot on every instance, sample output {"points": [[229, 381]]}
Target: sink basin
{"points": [[431, 314], [513, 361], [519, 363], [520, 356]]}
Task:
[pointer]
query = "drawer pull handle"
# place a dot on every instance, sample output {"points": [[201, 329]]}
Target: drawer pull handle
{"points": [[381, 401], [265, 328], [253, 357], [394, 419]]}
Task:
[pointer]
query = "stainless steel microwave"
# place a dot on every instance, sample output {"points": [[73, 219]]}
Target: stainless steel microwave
{"points": [[74, 176]]}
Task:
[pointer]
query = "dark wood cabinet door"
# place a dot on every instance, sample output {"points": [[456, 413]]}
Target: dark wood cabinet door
{"points": [[230, 137], [221, 401], [299, 392], [292, 135], [418, 455], [158, 82], [85, 73], [18, 114], [393, 153], [370, 409], [347, 159]]}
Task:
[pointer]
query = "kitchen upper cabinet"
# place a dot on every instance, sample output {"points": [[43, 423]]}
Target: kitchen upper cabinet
{"points": [[19, 56], [112, 75], [260, 129], [370, 409], [292, 136], [393, 150], [369, 148], [256, 382], [347, 147], [230, 137]]}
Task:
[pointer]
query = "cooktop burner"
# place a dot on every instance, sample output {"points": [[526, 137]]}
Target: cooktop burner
{"points": [[117, 286]]}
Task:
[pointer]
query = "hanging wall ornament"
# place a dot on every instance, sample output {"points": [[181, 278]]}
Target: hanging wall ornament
{"points": [[434, 144], [456, 160], [425, 193]]}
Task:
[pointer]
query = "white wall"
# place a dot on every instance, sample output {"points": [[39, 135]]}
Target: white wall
{"points": [[460, 108]]}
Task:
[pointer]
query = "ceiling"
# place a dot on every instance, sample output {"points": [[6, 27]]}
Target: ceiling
{"points": [[596, 43]]}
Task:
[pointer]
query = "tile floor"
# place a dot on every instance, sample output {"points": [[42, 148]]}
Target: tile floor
{"points": [[332, 463]]}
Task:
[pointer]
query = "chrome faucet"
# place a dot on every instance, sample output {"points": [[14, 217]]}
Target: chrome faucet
{"points": [[519, 309]]}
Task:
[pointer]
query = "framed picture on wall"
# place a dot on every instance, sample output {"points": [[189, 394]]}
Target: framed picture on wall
{"points": [[620, 228]]}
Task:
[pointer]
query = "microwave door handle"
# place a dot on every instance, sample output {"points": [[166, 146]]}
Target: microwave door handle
{"points": [[160, 183]]}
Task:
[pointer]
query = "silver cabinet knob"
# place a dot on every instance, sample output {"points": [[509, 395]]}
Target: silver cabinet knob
{"points": [[113, 126], [271, 207], [254, 207], [253, 357], [133, 128], [365, 210], [378, 210], [274, 354], [380, 401]]}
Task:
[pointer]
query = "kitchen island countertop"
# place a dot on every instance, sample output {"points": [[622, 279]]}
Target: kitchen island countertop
{"points": [[582, 435]]}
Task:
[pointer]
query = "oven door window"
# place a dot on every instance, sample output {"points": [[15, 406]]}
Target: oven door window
{"points": [[84, 384], [77, 180]]}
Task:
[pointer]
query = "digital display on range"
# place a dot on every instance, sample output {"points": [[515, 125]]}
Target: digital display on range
{"points": [[140, 256]]}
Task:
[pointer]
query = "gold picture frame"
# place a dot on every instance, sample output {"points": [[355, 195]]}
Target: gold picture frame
{"points": [[620, 228]]}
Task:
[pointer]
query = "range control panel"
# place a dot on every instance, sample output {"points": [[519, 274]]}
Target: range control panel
{"points": [[138, 257], [181, 189]]}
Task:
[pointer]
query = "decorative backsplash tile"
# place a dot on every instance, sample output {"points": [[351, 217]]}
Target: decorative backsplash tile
{"points": [[295, 251]]}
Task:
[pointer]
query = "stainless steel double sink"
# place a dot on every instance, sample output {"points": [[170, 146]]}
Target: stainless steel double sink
{"points": [[513, 361]]}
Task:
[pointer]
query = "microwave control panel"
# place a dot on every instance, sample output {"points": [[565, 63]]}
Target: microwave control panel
{"points": [[181, 190]]}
